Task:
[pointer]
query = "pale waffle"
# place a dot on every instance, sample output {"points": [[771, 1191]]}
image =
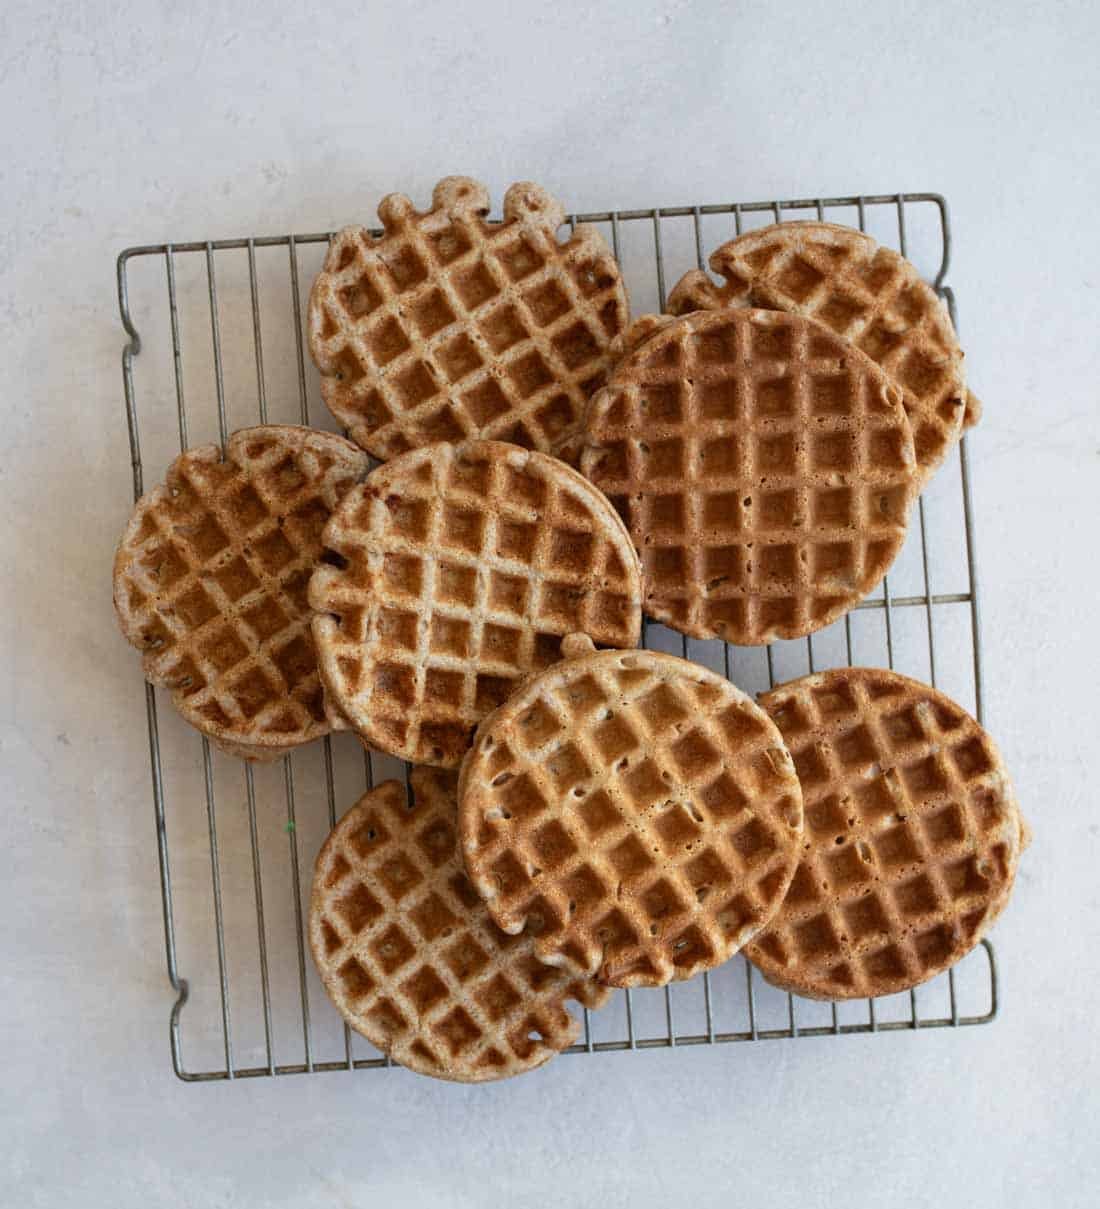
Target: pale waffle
{"points": [[448, 327], [866, 293], [462, 567], [912, 836], [210, 582], [409, 956], [638, 813], [764, 468]]}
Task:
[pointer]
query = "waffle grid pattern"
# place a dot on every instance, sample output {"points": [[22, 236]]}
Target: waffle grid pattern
{"points": [[764, 469], [448, 327], [211, 578], [409, 956], [912, 836], [866, 293], [639, 813], [465, 567]]}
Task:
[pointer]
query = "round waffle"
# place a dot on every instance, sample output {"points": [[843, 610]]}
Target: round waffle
{"points": [[210, 582], [866, 293], [637, 811], [912, 836], [408, 954], [462, 567], [764, 468], [447, 327]]}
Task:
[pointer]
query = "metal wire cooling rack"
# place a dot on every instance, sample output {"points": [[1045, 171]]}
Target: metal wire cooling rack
{"points": [[222, 345]]}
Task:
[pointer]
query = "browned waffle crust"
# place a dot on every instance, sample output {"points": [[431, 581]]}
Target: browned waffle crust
{"points": [[637, 811], [408, 954], [912, 836], [764, 468], [448, 327], [866, 293], [463, 568], [210, 582]]}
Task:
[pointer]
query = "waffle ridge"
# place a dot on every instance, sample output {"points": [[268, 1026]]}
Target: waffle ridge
{"points": [[449, 327], [636, 812], [409, 955], [210, 582], [912, 836], [866, 293], [764, 468], [463, 568]]}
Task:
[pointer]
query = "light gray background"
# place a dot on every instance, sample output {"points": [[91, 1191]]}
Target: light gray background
{"points": [[175, 122]]}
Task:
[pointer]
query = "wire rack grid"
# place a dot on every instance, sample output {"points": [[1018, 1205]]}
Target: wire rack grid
{"points": [[237, 908]]}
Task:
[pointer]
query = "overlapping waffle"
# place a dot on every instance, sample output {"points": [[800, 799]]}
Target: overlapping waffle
{"points": [[912, 836], [210, 582], [448, 327], [763, 465], [408, 954], [638, 813], [462, 567], [866, 293]]}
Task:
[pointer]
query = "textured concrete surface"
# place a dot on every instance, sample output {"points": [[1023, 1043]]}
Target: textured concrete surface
{"points": [[132, 123]]}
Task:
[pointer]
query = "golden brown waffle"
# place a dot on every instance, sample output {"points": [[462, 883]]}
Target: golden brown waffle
{"points": [[463, 568], [866, 293], [408, 954], [764, 468], [448, 327], [638, 812], [912, 836], [210, 582]]}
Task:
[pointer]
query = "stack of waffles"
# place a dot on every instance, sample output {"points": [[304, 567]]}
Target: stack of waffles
{"points": [[580, 815]]}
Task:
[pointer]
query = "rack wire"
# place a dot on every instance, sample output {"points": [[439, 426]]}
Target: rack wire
{"points": [[236, 908]]}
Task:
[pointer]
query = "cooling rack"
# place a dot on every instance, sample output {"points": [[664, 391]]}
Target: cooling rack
{"points": [[215, 342]]}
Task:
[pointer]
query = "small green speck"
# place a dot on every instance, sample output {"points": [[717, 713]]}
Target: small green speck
{"points": [[289, 826]]}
